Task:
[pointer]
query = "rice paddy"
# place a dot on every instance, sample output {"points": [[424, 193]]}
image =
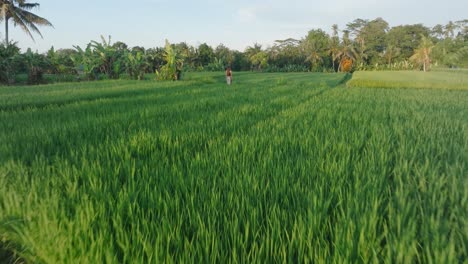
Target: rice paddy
{"points": [[274, 168], [455, 79]]}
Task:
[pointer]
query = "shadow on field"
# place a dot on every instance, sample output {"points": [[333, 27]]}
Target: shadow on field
{"points": [[345, 79], [7, 256]]}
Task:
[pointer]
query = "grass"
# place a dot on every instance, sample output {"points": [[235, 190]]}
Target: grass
{"points": [[448, 79], [275, 168]]}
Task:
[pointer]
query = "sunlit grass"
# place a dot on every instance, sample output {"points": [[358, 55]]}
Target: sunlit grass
{"points": [[448, 79], [275, 168]]}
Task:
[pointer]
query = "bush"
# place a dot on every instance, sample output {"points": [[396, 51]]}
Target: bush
{"points": [[172, 69], [346, 65], [286, 68], [9, 63], [35, 65]]}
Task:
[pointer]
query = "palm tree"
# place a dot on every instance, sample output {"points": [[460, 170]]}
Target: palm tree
{"points": [[438, 31], [422, 55], [315, 47], [450, 29], [333, 45], [346, 50], [252, 54], [259, 60], [314, 56], [18, 11]]}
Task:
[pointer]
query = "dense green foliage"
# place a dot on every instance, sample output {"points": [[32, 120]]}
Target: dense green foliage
{"points": [[173, 67], [362, 45], [12, 62], [440, 79], [275, 168], [8, 61]]}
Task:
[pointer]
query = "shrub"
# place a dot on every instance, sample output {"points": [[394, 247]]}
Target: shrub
{"points": [[136, 65], [35, 64], [346, 65], [8, 63], [172, 69]]}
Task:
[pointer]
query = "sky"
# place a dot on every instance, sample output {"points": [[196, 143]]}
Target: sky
{"points": [[236, 24]]}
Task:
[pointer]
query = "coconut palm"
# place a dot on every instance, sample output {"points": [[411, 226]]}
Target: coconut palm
{"points": [[19, 12], [422, 55], [333, 45], [256, 56], [314, 56], [346, 50], [315, 47]]}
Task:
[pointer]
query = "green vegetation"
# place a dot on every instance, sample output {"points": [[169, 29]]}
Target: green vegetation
{"points": [[444, 79], [275, 168], [361, 45], [19, 12], [171, 70]]}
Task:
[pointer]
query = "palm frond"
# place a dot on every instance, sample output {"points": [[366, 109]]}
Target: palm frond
{"points": [[28, 6], [18, 12], [33, 18]]}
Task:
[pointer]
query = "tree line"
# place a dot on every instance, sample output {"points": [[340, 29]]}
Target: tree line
{"points": [[361, 45]]}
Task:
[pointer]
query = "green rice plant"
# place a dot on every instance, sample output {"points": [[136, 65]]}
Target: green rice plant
{"points": [[449, 79], [301, 171]]}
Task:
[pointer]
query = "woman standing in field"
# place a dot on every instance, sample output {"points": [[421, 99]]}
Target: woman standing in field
{"points": [[228, 75]]}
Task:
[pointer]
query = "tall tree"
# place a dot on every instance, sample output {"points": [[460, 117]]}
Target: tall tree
{"points": [[240, 61], [406, 38], [369, 37], [346, 50], [422, 55], [438, 31], [374, 34], [450, 29], [19, 12], [259, 60], [355, 29], [205, 54], [224, 54], [251, 54], [286, 52], [333, 45], [315, 46]]}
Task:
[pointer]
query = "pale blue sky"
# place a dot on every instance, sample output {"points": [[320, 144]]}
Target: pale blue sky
{"points": [[236, 24]]}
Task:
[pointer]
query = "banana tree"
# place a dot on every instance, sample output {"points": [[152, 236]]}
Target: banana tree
{"points": [[111, 60], [136, 65], [86, 62], [173, 67], [100, 58]]}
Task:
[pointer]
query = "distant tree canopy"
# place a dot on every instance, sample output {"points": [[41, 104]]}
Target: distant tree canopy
{"points": [[361, 45]]}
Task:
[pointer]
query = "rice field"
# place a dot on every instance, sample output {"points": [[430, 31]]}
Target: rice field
{"points": [[276, 168], [456, 79]]}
